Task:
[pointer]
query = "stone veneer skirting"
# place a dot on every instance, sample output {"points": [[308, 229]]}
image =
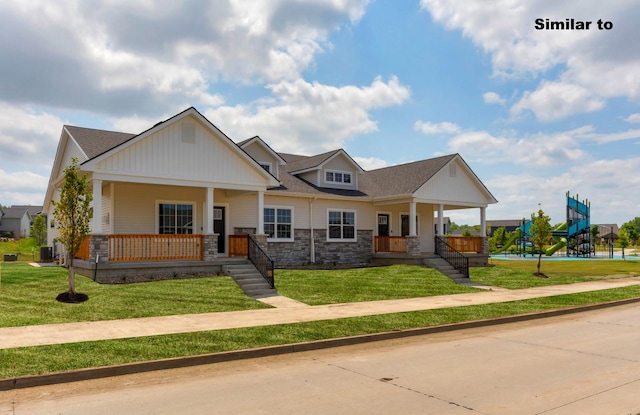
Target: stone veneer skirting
{"points": [[298, 252]]}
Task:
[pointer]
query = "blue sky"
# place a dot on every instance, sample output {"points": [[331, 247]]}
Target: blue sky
{"points": [[535, 113]]}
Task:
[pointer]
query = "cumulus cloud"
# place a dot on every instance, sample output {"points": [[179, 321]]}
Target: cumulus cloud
{"points": [[309, 117], [370, 163], [580, 69], [122, 57], [22, 187], [633, 118], [427, 127], [493, 98]]}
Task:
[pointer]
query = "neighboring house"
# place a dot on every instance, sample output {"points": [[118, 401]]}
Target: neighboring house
{"points": [[607, 232], [446, 226], [16, 220], [185, 177], [509, 224]]}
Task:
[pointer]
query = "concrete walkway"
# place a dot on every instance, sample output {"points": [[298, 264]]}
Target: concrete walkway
{"points": [[286, 311]]}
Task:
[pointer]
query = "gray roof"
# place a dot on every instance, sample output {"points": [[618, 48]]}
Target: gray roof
{"points": [[33, 210], [14, 213], [95, 142], [504, 222]]}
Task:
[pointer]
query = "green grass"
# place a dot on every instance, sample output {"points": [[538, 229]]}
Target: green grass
{"points": [[26, 248], [316, 287], [27, 296]]}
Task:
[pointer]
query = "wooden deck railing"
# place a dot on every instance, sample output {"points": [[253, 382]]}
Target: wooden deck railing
{"points": [[238, 245], [83, 250], [466, 244], [395, 244], [155, 247]]}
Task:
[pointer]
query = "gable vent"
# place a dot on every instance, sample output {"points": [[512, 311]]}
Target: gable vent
{"points": [[188, 133]]}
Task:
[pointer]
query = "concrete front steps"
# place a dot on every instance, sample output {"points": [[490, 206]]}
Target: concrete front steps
{"points": [[444, 267], [245, 274]]}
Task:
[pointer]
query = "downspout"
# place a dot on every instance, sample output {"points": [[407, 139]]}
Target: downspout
{"points": [[312, 242]]}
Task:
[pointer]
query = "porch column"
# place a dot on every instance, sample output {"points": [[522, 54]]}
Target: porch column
{"points": [[440, 220], [483, 221], [96, 221], [208, 212], [412, 219], [260, 221]]}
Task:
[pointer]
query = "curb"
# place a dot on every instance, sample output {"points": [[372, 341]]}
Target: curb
{"points": [[22, 382]]}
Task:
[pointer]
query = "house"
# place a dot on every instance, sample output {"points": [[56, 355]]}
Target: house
{"points": [[509, 224], [446, 226], [607, 232], [185, 186], [17, 220]]}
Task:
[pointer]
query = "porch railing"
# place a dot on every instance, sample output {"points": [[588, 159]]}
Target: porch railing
{"points": [[83, 250], [238, 245], [469, 244], [155, 247], [394, 244], [452, 256], [261, 260]]}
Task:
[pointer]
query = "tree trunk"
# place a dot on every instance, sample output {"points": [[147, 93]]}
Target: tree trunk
{"points": [[72, 276], [539, 259]]}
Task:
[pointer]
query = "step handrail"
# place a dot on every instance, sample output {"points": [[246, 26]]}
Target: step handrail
{"points": [[456, 259], [260, 260]]}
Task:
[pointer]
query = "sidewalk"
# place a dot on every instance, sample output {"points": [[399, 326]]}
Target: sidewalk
{"points": [[285, 311]]}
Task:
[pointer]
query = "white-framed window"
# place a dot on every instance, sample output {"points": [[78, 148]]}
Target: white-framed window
{"points": [[278, 223], [175, 218], [336, 176], [341, 225], [404, 224], [266, 165]]}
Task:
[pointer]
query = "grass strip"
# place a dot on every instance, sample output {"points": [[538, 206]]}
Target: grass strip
{"points": [[50, 359]]}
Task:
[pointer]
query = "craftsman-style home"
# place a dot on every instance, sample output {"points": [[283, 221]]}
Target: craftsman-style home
{"points": [[183, 196]]}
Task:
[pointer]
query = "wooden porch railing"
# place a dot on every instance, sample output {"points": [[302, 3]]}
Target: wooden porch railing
{"points": [[394, 244], [466, 244], [83, 250], [238, 245], [155, 247]]}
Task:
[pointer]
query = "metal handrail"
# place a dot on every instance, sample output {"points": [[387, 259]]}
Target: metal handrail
{"points": [[457, 260], [261, 261]]}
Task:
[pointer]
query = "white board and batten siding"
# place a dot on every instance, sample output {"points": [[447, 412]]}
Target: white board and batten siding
{"points": [[184, 151], [454, 185]]}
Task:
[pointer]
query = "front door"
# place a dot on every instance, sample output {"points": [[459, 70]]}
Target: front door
{"points": [[383, 224], [218, 227]]}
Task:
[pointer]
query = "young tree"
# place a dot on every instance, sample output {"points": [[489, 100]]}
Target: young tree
{"points": [[623, 240], [540, 232], [39, 230], [595, 231], [73, 214]]}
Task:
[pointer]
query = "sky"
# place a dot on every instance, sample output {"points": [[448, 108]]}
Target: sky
{"points": [[536, 112]]}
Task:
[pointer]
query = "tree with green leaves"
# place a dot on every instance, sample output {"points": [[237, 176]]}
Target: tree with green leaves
{"points": [[595, 231], [633, 231], [540, 234], [39, 230], [73, 215], [623, 240]]}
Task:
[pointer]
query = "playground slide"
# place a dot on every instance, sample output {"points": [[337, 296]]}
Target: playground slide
{"points": [[554, 248], [510, 241]]}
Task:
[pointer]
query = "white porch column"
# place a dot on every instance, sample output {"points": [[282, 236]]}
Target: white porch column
{"points": [[412, 219], [208, 212], [440, 220], [483, 221], [260, 206], [96, 221]]}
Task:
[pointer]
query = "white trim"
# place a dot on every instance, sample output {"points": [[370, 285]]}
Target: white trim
{"points": [[342, 173], [276, 207], [355, 225]]}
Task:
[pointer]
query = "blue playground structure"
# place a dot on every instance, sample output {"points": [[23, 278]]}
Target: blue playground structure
{"points": [[574, 234]]}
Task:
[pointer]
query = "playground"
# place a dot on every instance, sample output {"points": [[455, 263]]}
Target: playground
{"points": [[572, 239]]}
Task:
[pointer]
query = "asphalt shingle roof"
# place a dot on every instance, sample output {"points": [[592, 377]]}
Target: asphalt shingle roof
{"points": [[95, 142]]}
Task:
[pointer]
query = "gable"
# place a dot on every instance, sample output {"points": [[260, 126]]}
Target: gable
{"points": [[455, 184], [182, 149], [259, 151]]}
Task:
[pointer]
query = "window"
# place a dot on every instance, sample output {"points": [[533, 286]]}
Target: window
{"points": [[332, 176], [265, 165], [278, 223], [342, 225], [175, 218]]}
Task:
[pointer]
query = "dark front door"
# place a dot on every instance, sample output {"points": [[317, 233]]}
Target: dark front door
{"points": [[218, 227], [383, 224]]}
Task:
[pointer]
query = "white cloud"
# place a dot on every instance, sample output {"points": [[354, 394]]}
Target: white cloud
{"points": [[557, 100], [493, 98], [22, 188], [580, 69], [309, 117], [370, 163], [633, 118], [427, 127]]}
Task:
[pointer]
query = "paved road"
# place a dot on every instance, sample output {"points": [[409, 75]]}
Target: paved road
{"points": [[586, 363]]}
